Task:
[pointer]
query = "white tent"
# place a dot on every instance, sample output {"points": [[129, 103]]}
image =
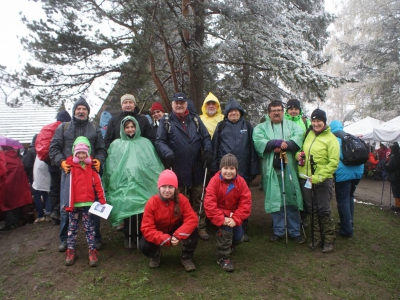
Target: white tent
{"points": [[363, 128], [388, 132]]}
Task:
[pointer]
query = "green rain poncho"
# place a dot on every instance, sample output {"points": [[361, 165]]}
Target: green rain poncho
{"points": [[262, 134], [130, 174]]}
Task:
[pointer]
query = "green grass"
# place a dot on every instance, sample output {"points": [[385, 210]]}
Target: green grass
{"points": [[364, 267]]}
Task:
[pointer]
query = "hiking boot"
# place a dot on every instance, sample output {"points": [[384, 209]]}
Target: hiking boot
{"points": [[62, 247], [204, 235], [93, 260], [225, 264], [299, 239], [245, 238], [47, 219], [155, 261], [188, 264], [69, 257], [328, 248], [316, 244], [339, 232], [275, 238], [38, 220]]}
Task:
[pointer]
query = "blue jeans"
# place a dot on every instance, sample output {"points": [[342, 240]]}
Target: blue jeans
{"points": [[237, 231], [293, 221], [345, 204], [39, 205]]}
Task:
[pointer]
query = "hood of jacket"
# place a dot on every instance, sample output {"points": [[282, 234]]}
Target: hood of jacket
{"points": [[233, 104], [63, 116], [336, 126], [81, 139], [122, 131], [211, 97]]}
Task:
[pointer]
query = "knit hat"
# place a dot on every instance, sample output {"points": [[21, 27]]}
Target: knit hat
{"points": [[293, 103], [167, 177], [128, 97], [157, 106], [179, 97], [318, 114], [63, 116], [81, 147], [229, 160], [81, 101]]}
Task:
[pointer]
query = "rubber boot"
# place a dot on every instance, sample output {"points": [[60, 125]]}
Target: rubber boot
{"points": [[329, 234]]}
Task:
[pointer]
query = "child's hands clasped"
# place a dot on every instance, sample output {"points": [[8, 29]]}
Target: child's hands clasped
{"points": [[229, 222], [174, 241]]}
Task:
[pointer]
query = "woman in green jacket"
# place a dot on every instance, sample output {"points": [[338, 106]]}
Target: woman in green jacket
{"points": [[322, 154]]}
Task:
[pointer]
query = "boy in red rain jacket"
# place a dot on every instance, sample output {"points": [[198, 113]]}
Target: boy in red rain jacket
{"points": [[168, 219], [83, 183], [227, 203]]}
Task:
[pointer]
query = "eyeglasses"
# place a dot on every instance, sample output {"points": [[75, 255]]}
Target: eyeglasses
{"points": [[156, 112], [276, 111]]}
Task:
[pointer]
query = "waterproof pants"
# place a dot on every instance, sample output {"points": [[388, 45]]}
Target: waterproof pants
{"points": [[226, 237]]}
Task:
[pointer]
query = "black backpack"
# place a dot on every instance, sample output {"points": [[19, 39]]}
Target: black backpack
{"points": [[354, 150]]}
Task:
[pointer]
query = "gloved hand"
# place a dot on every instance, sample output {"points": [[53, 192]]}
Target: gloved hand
{"points": [[65, 166], [278, 143], [96, 165], [102, 201], [170, 160], [208, 157]]}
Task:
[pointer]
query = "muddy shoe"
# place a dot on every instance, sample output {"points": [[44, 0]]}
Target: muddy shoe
{"points": [[38, 220], [62, 247], [328, 248], [188, 264], [316, 244], [299, 239], [204, 235], [69, 257], [93, 260], [155, 261], [245, 238], [225, 264], [275, 238]]}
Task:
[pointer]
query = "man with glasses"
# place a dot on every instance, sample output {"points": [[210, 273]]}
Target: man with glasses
{"points": [[273, 138], [128, 104], [156, 111]]}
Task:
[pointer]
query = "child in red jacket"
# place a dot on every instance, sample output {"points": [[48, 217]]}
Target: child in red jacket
{"points": [[168, 219], [227, 203], [84, 182]]}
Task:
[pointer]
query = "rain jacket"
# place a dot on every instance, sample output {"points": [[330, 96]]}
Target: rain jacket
{"points": [[185, 145], [211, 122], [82, 184], [223, 199], [298, 120], [130, 174], [113, 127], [345, 172], [158, 220], [64, 137], [324, 147], [264, 135], [17, 191], [235, 138]]}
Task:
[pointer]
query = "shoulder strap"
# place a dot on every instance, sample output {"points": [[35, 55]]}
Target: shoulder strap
{"points": [[307, 132], [66, 125], [196, 121], [340, 133]]}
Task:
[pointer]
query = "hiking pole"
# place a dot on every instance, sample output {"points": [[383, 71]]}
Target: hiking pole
{"points": [[314, 198], [383, 187], [202, 196], [284, 197], [294, 193]]}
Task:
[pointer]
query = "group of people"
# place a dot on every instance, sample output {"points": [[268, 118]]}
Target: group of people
{"points": [[174, 172]]}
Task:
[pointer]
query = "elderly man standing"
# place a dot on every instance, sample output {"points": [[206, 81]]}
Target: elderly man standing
{"points": [[179, 142], [61, 149], [272, 138], [128, 104], [212, 113]]}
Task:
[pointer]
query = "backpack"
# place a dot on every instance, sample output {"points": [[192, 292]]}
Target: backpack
{"points": [[354, 150], [43, 140], [167, 122]]}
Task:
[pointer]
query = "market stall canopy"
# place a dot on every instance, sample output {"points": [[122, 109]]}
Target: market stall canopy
{"points": [[363, 128], [388, 132]]}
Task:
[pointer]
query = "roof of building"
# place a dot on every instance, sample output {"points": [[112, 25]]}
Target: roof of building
{"points": [[22, 123]]}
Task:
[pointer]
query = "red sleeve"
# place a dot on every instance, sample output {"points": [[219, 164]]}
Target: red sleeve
{"points": [[211, 209], [148, 228], [244, 204], [189, 218], [98, 186]]}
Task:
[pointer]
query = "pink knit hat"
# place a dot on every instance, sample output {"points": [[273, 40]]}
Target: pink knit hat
{"points": [[81, 147], [167, 177]]}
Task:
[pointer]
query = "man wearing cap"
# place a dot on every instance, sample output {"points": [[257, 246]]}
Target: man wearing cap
{"points": [[271, 139], [156, 111], [128, 104], [179, 142], [212, 113], [61, 149]]}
